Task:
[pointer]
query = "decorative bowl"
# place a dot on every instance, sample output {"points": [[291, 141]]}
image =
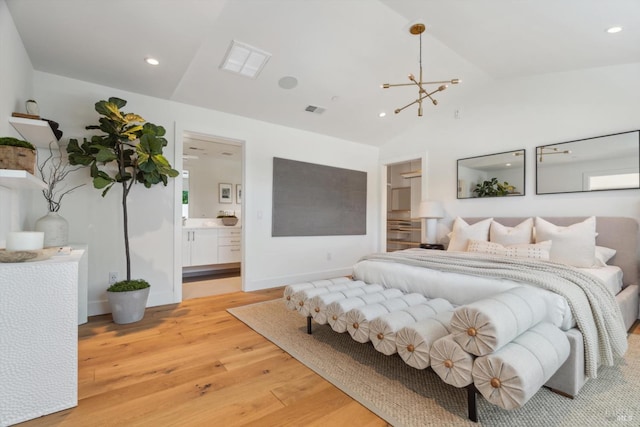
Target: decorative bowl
{"points": [[229, 220], [27, 256]]}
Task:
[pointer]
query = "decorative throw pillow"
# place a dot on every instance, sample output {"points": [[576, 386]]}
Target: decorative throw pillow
{"points": [[603, 254], [463, 232], [572, 245], [527, 250], [520, 234]]}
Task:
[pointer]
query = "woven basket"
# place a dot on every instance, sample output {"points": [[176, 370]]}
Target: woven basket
{"points": [[18, 158]]}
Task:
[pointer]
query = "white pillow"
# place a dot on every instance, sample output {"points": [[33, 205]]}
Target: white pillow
{"points": [[527, 250], [572, 245], [520, 234], [603, 254], [463, 232]]}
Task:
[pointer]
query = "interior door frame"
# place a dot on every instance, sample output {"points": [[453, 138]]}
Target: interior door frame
{"points": [[180, 131], [384, 170]]}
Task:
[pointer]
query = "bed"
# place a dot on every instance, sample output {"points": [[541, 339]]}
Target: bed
{"points": [[615, 264]]}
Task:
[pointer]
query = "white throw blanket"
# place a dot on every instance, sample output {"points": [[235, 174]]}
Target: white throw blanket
{"points": [[593, 307]]}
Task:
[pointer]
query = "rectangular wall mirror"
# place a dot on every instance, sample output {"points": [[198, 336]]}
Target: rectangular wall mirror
{"points": [[493, 175], [608, 162]]}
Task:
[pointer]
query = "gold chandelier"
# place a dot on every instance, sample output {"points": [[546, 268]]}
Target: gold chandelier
{"points": [[418, 29]]}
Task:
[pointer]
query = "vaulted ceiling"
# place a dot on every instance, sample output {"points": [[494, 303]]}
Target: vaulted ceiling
{"points": [[339, 51]]}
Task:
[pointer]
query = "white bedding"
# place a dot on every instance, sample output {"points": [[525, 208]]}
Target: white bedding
{"points": [[462, 289]]}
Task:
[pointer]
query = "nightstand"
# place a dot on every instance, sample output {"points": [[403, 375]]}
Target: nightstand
{"points": [[432, 246]]}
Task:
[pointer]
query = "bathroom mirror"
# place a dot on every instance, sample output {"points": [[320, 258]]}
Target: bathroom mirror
{"points": [[493, 175], [608, 162]]}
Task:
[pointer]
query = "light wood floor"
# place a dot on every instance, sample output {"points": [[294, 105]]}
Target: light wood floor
{"points": [[205, 286], [193, 364]]}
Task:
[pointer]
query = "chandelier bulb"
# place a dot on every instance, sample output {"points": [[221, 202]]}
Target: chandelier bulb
{"points": [[412, 77], [385, 86], [397, 111], [435, 101], [455, 81], [441, 88]]}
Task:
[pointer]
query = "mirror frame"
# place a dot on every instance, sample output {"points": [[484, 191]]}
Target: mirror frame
{"points": [[538, 169], [524, 173]]}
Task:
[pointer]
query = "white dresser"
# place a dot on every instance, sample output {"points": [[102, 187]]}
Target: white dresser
{"points": [[38, 337]]}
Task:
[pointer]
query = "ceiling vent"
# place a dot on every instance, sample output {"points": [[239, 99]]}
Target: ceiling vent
{"points": [[315, 109], [244, 59]]}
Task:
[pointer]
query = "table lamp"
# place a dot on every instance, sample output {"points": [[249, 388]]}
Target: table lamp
{"points": [[430, 210]]}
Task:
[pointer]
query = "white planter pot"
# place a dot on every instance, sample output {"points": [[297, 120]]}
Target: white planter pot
{"points": [[128, 307], [56, 229]]}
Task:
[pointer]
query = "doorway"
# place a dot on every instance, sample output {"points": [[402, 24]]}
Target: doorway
{"points": [[404, 193], [212, 171]]}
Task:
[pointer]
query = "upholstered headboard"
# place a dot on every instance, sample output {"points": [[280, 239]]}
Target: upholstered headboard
{"points": [[619, 233]]}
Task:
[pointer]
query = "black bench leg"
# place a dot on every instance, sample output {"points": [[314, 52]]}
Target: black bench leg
{"points": [[309, 325], [471, 403]]}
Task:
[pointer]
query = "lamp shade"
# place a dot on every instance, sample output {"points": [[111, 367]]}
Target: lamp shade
{"points": [[430, 209]]}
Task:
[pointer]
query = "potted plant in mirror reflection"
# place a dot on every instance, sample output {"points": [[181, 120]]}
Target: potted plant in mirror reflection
{"points": [[53, 171], [493, 188]]}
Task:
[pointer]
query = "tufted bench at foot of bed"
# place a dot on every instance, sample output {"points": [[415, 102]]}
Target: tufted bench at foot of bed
{"points": [[499, 347]]}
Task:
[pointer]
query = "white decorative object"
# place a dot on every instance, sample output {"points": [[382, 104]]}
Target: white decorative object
{"points": [[32, 107], [25, 240], [55, 229]]}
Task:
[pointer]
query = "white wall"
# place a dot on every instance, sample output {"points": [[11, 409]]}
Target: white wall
{"points": [[506, 115], [559, 177], [15, 88], [155, 214], [204, 177]]}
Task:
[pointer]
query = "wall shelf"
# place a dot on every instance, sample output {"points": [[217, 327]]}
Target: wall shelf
{"points": [[37, 132], [19, 179]]}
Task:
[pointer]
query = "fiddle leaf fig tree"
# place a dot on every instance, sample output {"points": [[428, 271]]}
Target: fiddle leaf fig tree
{"points": [[493, 188], [129, 151]]}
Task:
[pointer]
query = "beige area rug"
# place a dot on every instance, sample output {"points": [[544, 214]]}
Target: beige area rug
{"points": [[404, 396]]}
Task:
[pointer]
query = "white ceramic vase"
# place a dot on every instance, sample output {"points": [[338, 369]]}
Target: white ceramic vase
{"points": [[56, 229]]}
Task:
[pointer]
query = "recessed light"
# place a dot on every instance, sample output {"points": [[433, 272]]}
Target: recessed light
{"points": [[614, 30], [382, 114], [151, 61]]}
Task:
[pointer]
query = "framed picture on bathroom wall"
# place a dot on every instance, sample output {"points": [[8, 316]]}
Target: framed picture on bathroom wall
{"points": [[225, 193], [238, 193]]}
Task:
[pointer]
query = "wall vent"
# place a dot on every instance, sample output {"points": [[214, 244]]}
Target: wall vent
{"points": [[315, 109]]}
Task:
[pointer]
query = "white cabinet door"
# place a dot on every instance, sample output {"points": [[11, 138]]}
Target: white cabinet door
{"points": [[204, 247], [186, 248]]}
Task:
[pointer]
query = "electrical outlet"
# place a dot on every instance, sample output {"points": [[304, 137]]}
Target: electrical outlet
{"points": [[113, 277]]}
